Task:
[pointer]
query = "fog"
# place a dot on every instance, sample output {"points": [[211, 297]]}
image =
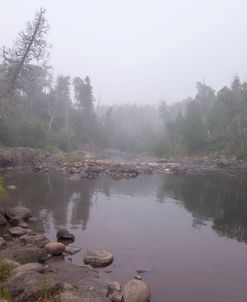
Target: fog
{"points": [[140, 51]]}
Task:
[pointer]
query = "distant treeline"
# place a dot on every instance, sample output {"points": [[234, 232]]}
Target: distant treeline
{"points": [[211, 122], [39, 111]]}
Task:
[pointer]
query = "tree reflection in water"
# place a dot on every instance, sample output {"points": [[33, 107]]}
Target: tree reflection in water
{"points": [[220, 198], [54, 196], [217, 197]]}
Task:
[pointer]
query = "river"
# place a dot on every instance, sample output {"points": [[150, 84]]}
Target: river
{"points": [[188, 232]]}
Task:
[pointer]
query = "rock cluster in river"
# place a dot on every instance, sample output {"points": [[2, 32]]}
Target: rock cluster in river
{"points": [[30, 277]]}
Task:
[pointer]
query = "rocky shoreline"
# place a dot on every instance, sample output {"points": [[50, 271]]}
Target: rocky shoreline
{"points": [[18, 160], [33, 269]]}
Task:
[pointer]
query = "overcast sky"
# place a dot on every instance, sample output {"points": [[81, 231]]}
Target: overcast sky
{"points": [[140, 51]]}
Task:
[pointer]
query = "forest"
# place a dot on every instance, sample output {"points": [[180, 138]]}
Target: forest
{"points": [[59, 113]]}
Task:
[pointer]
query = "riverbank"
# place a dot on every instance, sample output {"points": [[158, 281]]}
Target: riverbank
{"points": [[34, 269], [79, 166]]}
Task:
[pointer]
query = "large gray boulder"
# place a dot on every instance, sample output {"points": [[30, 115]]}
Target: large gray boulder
{"points": [[29, 286], [136, 291], [98, 258]]}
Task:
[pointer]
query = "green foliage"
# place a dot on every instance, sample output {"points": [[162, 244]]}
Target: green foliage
{"points": [[45, 292], [5, 293], [31, 132], [60, 141], [5, 271], [209, 123], [73, 157]]}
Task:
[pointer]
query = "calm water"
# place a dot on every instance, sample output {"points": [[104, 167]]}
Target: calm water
{"points": [[189, 232]]}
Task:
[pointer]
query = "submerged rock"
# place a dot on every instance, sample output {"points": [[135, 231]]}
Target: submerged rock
{"points": [[63, 234], [136, 291], [98, 258], [71, 249], [55, 248]]}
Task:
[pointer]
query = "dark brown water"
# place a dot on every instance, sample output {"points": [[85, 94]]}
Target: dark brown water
{"points": [[189, 232]]}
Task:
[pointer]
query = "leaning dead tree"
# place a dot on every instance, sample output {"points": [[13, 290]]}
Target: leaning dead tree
{"points": [[30, 46]]}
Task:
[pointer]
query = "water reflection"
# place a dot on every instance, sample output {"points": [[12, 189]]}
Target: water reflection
{"points": [[52, 195], [219, 198], [147, 222], [216, 197]]}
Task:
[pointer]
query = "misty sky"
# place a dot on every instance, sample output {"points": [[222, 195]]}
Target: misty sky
{"points": [[140, 51]]}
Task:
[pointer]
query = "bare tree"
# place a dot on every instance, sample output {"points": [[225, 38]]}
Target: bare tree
{"points": [[30, 45]]}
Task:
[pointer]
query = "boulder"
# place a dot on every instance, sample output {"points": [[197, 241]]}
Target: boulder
{"points": [[136, 291], [30, 254], [17, 231], [29, 286], [98, 258], [63, 234], [55, 248], [3, 220], [71, 249], [34, 266], [21, 212], [38, 240]]}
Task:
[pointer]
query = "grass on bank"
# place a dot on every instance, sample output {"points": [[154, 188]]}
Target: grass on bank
{"points": [[5, 271], [5, 293], [45, 292]]}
